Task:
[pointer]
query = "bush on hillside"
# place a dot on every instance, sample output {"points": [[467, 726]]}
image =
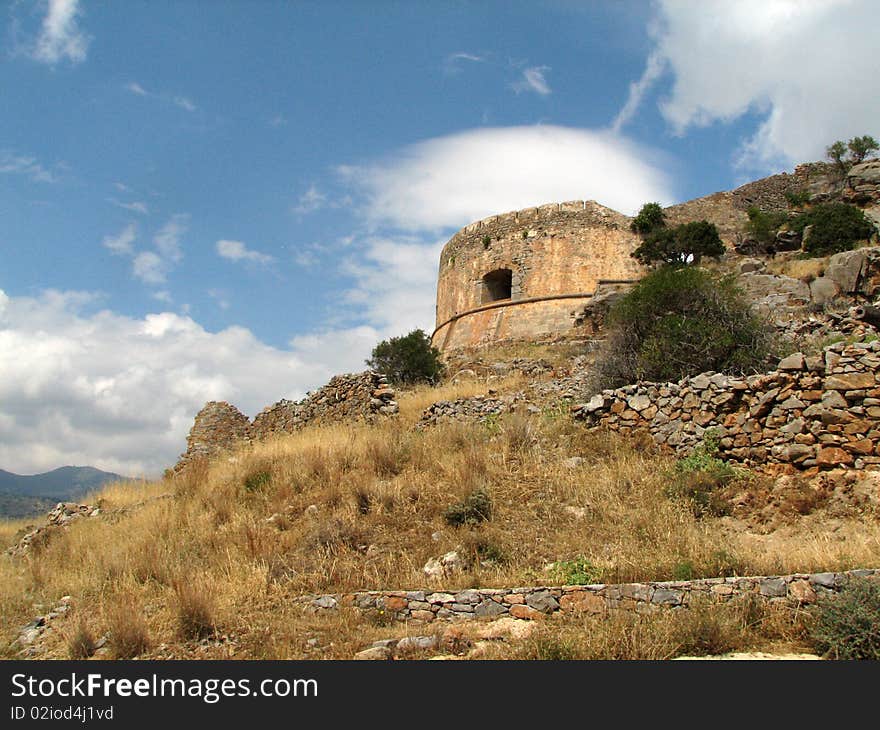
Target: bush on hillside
{"points": [[763, 224], [408, 359], [835, 227], [680, 321], [847, 625]]}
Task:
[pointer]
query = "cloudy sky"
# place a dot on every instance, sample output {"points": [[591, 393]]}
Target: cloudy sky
{"points": [[235, 200]]}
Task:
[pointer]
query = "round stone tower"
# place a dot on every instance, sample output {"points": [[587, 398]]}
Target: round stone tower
{"points": [[523, 275]]}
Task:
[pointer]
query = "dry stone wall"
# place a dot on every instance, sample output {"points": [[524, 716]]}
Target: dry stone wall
{"points": [[540, 601], [812, 412], [220, 426]]}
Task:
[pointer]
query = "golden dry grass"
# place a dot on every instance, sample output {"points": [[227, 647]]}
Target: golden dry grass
{"points": [[346, 507]]}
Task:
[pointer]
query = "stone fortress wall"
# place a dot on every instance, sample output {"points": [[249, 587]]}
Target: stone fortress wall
{"points": [[555, 257]]}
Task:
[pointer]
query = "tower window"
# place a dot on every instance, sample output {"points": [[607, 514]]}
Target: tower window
{"points": [[497, 285]]}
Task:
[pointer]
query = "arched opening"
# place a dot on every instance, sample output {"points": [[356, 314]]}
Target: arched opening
{"points": [[497, 285]]}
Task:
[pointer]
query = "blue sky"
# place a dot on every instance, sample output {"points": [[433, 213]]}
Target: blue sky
{"points": [[235, 200]]}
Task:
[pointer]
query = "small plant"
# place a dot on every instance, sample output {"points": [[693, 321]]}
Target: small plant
{"points": [[525, 234], [797, 198], [257, 481], [473, 509], [194, 610], [699, 477], [129, 636], [847, 625], [487, 241], [579, 571], [82, 644]]}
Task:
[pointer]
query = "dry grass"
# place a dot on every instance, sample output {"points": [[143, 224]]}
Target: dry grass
{"points": [[344, 507], [703, 630], [804, 269]]}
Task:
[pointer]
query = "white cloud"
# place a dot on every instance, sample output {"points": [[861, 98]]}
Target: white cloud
{"points": [[167, 240], [452, 63], [121, 243], [60, 36], [533, 80], [150, 268], [637, 89], [185, 103], [310, 201], [28, 166], [451, 181], [237, 251], [136, 88], [120, 393], [808, 68], [134, 207]]}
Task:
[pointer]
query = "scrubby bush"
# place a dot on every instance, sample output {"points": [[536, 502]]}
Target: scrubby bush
{"points": [[858, 148], [835, 227], [476, 507], [847, 625], [678, 322], [408, 359], [579, 571], [764, 224], [699, 478]]}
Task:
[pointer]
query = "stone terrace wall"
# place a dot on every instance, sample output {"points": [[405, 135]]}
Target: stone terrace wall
{"points": [[220, 426], [539, 601], [821, 411]]}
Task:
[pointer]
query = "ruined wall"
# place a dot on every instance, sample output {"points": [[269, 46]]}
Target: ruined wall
{"points": [[821, 411], [553, 250], [219, 426]]}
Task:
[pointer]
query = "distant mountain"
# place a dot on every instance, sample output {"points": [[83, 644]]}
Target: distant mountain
{"points": [[65, 483]]}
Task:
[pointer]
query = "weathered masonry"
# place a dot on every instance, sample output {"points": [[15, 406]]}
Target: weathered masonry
{"points": [[524, 274]]}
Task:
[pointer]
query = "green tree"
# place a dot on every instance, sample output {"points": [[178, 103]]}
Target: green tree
{"points": [[649, 218], [861, 147], [836, 152], [408, 359], [687, 243], [680, 321], [763, 225]]}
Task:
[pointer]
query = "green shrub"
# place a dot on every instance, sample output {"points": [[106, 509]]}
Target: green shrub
{"points": [[257, 481], [847, 625], [473, 509], [577, 572], [835, 227], [677, 322], [763, 225], [699, 478], [649, 218], [797, 198], [408, 359]]}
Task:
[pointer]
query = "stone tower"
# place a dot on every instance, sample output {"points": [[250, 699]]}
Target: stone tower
{"points": [[524, 274]]}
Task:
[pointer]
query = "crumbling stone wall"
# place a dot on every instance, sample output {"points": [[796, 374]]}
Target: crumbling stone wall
{"points": [[557, 254], [540, 601], [812, 412], [220, 426]]}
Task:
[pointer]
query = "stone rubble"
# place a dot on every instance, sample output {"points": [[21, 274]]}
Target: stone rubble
{"points": [[219, 426], [60, 517]]}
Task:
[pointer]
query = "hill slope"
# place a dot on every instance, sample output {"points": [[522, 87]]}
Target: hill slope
{"points": [[25, 495]]}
